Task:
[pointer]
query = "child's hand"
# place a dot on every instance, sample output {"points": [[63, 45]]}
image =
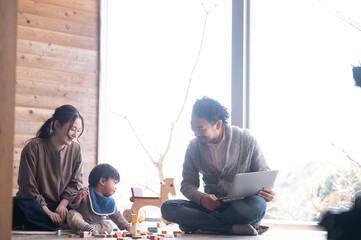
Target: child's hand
{"points": [[127, 228], [81, 194]]}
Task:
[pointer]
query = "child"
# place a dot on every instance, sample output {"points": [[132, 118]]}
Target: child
{"points": [[90, 213]]}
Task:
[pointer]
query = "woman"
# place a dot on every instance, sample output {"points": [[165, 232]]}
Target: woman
{"points": [[51, 169]]}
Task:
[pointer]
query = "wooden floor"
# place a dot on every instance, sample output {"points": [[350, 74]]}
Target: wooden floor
{"points": [[275, 233]]}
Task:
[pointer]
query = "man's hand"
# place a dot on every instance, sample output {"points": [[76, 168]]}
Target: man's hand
{"points": [[81, 194], [267, 193], [209, 201]]}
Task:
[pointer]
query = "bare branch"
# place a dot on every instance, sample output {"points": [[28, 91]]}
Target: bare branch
{"points": [[341, 17], [355, 162], [136, 135]]}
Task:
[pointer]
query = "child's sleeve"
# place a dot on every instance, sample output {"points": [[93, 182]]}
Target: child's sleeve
{"points": [[71, 204], [118, 219]]}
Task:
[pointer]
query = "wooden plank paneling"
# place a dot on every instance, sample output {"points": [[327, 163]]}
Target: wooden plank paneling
{"points": [[44, 75], [7, 111], [83, 5], [30, 100], [56, 25], [63, 13], [57, 51], [40, 35], [57, 64], [49, 89]]}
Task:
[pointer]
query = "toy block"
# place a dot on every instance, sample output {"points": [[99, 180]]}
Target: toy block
{"points": [[164, 232], [58, 232], [86, 234], [72, 235], [133, 229], [109, 235], [178, 233], [153, 229], [153, 237], [115, 230], [118, 234], [159, 225], [100, 236], [168, 236], [160, 238]]}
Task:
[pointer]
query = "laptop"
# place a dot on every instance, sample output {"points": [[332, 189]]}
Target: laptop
{"points": [[248, 184]]}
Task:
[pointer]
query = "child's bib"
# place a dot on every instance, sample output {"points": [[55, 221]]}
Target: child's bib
{"points": [[99, 204]]}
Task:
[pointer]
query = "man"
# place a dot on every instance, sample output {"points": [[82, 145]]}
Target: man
{"points": [[219, 152]]}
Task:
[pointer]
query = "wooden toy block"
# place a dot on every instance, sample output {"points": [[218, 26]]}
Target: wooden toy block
{"points": [[118, 234], [109, 235], [86, 234], [134, 218], [159, 225], [164, 232], [153, 237], [100, 236], [72, 235], [133, 229], [160, 238], [178, 233], [168, 235], [153, 229], [166, 187]]}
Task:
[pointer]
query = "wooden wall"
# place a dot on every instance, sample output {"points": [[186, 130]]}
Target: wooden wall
{"points": [[7, 102], [56, 64]]}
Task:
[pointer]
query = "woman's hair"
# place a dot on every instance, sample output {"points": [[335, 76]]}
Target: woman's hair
{"points": [[102, 170], [211, 110], [63, 114]]}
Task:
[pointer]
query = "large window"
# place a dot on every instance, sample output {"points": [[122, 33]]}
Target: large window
{"points": [[304, 106], [151, 50]]}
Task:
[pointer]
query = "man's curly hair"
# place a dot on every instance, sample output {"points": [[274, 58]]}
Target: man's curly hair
{"points": [[211, 110]]}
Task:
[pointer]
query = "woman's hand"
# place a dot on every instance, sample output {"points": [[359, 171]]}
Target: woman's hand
{"points": [[209, 201], [127, 228], [54, 217], [267, 193], [62, 210]]}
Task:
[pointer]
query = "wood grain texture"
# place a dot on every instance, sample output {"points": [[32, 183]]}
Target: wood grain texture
{"points": [[58, 12], [57, 51], [65, 39], [45, 75], [7, 111], [56, 64]]}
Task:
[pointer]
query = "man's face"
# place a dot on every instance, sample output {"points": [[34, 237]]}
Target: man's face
{"points": [[205, 131]]}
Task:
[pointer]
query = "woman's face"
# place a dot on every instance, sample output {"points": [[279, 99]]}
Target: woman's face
{"points": [[66, 136]]}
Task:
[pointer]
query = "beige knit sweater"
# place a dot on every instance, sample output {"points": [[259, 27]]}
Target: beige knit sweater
{"points": [[243, 154]]}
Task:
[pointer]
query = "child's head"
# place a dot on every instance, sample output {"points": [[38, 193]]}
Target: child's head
{"points": [[104, 176]]}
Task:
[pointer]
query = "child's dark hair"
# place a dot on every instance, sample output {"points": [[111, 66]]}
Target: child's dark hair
{"points": [[211, 110], [102, 170], [63, 114]]}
